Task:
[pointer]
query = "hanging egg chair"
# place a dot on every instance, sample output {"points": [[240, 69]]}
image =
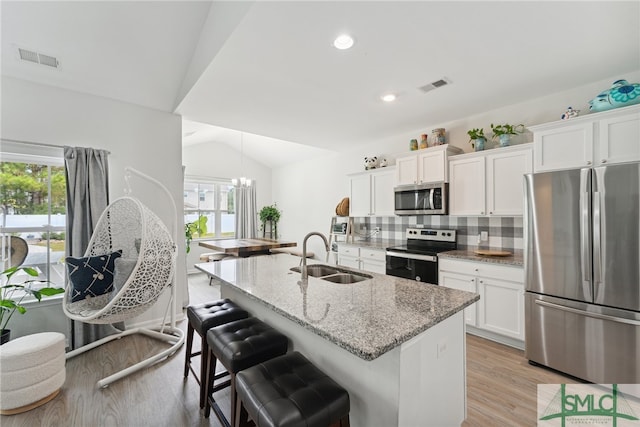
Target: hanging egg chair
{"points": [[129, 231]]}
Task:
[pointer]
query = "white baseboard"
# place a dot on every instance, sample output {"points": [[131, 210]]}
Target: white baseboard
{"points": [[495, 337]]}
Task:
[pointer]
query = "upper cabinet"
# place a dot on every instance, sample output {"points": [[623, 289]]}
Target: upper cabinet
{"points": [[427, 165], [489, 182], [371, 192], [591, 140]]}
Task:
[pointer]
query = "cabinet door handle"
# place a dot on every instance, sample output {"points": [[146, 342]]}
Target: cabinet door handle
{"points": [[482, 213], [588, 162], [475, 269], [481, 281], [490, 212], [604, 160]]}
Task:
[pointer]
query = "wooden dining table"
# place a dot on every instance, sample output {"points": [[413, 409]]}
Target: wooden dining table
{"points": [[246, 247]]}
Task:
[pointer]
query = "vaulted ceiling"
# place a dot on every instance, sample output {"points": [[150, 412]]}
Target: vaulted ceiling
{"points": [[269, 68]]}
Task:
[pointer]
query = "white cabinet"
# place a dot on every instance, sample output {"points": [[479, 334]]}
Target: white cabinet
{"points": [[501, 287], [467, 186], [461, 282], [504, 183], [362, 258], [371, 193], [592, 140], [489, 182], [424, 166]]}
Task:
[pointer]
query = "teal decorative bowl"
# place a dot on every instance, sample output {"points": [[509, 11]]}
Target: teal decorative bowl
{"points": [[621, 94]]}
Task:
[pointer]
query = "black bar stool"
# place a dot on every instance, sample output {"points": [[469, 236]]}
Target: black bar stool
{"points": [[289, 390], [202, 317], [239, 345]]}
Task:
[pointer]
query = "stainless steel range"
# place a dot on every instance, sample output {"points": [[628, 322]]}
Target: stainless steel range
{"points": [[418, 258]]}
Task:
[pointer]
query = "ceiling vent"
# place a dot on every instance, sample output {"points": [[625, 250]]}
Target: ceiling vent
{"points": [[38, 58], [435, 85]]}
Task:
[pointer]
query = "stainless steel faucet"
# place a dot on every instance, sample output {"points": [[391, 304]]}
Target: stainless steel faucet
{"points": [[303, 270]]}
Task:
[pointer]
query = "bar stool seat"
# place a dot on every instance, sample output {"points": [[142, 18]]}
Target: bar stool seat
{"points": [[201, 318], [290, 391], [239, 345]]}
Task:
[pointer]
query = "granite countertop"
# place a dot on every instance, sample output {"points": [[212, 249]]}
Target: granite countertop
{"points": [[516, 260], [367, 318]]}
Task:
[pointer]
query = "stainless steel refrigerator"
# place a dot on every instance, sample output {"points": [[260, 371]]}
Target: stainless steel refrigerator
{"points": [[582, 272]]}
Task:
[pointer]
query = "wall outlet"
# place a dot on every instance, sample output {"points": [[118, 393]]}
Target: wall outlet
{"points": [[484, 236]]}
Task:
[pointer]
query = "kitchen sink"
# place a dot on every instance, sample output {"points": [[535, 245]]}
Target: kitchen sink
{"points": [[345, 278], [317, 270], [333, 274]]}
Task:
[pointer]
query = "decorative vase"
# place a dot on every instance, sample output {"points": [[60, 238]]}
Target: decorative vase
{"points": [[504, 140], [423, 141], [438, 136], [478, 143], [5, 336], [621, 94], [413, 145]]}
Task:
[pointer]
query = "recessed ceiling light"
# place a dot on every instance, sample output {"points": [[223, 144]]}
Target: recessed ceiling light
{"points": [[343, 42], [388, 97]]}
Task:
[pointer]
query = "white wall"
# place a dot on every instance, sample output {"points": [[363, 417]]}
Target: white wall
{"points": [[309, 191], [145, 139], [219, 160]]}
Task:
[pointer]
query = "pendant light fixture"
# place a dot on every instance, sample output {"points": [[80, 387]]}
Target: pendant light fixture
{"points": [[242, 181]]}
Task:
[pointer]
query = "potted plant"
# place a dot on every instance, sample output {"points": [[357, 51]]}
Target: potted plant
{"points": [[14, 293], [477, 138], [272, 214], [504, 132], [198, 226]]}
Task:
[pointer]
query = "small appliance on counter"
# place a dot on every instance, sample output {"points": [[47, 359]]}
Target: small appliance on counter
{"points": [[418, 258]]}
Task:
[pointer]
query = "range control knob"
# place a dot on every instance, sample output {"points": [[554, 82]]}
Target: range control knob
{"points": [[448, 234], [418, 279]]}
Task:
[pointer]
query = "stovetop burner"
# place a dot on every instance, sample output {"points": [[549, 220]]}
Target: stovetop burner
{"points": [[427, 241]]}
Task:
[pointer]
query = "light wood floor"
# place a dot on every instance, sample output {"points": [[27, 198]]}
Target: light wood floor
{"points": [[501, 386]]}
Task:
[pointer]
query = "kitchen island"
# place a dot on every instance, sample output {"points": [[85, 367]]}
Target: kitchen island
{"points": [[396, 345]]}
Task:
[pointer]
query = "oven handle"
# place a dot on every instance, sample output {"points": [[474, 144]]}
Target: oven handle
{"points": [[413, 256]]}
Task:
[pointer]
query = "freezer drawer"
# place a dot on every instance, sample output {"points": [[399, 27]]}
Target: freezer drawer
{"points": [[594, 343]]}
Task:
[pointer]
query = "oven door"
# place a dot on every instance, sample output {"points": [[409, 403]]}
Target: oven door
{"points": [[423, 268]]}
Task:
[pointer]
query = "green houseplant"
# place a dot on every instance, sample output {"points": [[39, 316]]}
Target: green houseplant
{"points": [[199, 227], [504, 132], [14, 293], [477, 138], [271, 214]]}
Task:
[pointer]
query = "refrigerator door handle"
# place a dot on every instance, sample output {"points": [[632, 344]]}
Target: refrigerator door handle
{"points": [[587, 313], [585, 232], [597, 240]]}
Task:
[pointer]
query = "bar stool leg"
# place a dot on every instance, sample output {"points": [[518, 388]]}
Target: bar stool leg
{"points": [[204, 365], [187, 360], [210, 378]]}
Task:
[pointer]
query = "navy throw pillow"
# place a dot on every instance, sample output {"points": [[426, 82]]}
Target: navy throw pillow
{"points": [[91, 276]]}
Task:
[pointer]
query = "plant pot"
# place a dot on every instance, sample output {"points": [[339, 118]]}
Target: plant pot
{"points": [[5, 336], [478, 143], [505, 140]]}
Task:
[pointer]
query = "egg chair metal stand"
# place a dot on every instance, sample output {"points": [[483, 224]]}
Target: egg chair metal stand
{"points": [[129, 226]]}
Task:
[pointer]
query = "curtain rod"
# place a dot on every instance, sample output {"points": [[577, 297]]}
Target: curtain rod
{"points": [[41, 144]]}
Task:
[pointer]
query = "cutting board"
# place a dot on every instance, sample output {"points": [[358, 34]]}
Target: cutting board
{"points": [[488, 252]]}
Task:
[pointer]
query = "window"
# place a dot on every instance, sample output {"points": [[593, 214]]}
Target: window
{"points": [[213, 200], [33, 205]]}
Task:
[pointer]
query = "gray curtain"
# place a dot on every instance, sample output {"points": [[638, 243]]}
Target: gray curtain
{"points": [[87, 173], [246, 213]]}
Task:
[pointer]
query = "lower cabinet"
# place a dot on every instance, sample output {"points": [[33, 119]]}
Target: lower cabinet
{"points": [[500, 311], [362, 258]]}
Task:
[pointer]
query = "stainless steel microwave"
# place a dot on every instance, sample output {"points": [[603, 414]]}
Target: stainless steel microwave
{"points": [[421, 199]]}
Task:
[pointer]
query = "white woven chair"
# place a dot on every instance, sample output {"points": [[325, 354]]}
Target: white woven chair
{"points": [[128, 225]]}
